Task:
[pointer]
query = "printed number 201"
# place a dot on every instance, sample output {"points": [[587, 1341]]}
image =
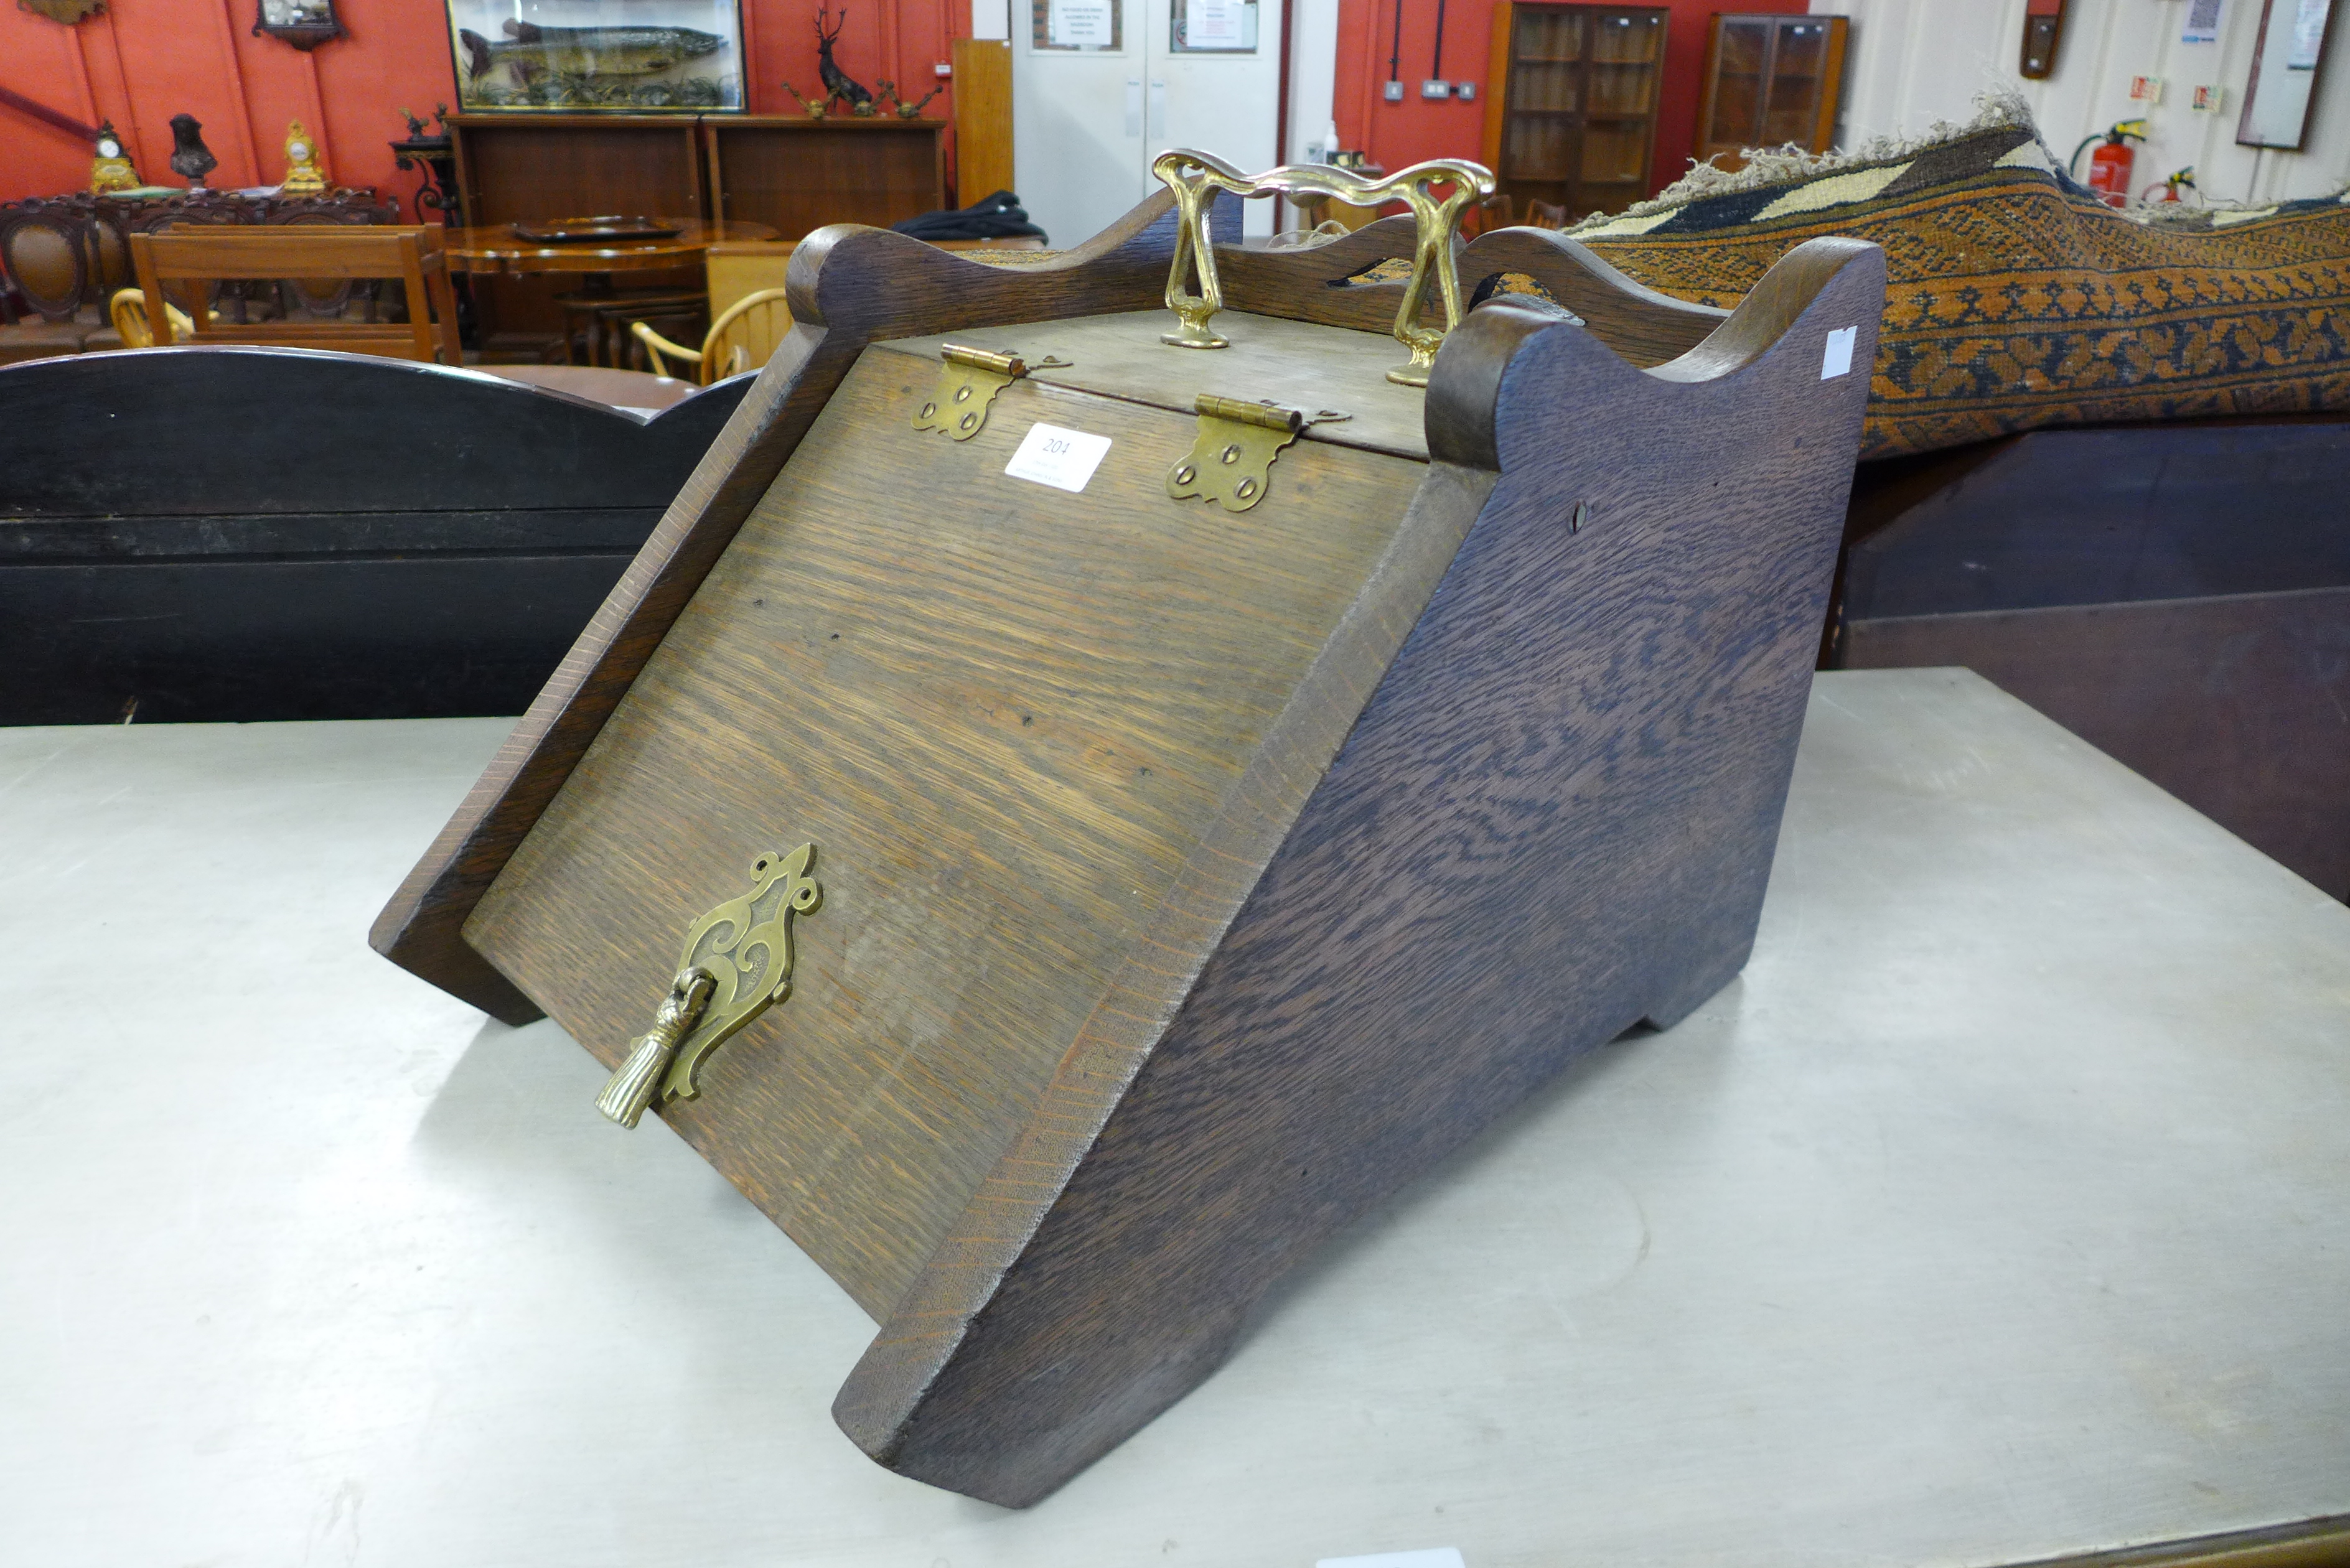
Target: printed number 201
{"points": [[1055, 446]]}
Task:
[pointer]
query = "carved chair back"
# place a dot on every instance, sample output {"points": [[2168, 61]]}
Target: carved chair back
{"points": [[67, 254], [193, 258], [46, 247], [322, 297]]}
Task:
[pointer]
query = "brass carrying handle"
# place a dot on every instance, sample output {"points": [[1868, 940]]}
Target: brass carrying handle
{"points": [[1195, 177]]}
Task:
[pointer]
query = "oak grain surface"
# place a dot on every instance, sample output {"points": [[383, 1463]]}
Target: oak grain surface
{"points": [[1004, 713], [1193, 879], [848, 286], [1554, 818]]}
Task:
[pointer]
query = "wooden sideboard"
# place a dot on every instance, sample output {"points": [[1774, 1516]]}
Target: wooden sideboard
{"points": [[512, 166], [790, 172], [796, 174], [538, 166]]}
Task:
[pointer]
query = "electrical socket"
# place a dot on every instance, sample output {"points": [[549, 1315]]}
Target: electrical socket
{"points": [[1431, 88], [1395, 92], [1465, 92], [941, 68]]}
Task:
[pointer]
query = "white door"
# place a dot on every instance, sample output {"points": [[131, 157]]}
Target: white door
{"points": [[1099, 88]]}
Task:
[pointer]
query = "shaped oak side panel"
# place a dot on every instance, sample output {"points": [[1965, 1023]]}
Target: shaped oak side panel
{"points": [[1553, 817], [1640, 324]]}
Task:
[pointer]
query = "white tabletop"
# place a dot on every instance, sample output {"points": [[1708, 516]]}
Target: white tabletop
{"points": [[2001, 1211]]}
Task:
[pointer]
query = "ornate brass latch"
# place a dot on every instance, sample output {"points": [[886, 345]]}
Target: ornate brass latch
{"points": [[736, 963], [1231, 460], [1196, 177], [969, 380]]}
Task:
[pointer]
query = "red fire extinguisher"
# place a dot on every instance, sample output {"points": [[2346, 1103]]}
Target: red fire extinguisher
{"points": [[2110, 167]]}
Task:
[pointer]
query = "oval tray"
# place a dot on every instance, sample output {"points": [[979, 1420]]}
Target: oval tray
{"points": [[565, 231]]}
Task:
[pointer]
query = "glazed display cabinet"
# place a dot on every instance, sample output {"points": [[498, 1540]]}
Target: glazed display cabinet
{"points": [[1771, 81], [1571, 118]]}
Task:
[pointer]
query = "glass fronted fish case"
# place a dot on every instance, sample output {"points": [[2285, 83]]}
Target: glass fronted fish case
{"points": [[567, 55]]}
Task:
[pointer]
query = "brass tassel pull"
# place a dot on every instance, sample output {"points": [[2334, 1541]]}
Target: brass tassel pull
{"points": [[624, 1099], [736, 963]]}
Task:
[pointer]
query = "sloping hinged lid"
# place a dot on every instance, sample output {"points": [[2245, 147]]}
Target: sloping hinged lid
{"points": [[1296, 364], [1007, 715]]}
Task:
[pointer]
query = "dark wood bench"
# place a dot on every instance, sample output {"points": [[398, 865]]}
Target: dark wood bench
{"points": [[249, 533], [2177, 595]]}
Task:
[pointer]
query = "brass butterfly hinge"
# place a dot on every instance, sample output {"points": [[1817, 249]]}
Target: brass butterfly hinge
{"points": [[1231, 460], [969, 380], [736, 963]]}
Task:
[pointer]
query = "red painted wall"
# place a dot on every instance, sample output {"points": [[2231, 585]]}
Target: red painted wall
{"points": [[140, 62], [1395, 134]]}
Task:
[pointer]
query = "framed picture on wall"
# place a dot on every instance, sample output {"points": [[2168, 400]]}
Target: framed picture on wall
{"points": [[566, 56]]}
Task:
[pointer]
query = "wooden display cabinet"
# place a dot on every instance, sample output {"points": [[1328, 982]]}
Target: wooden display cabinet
{"points": [[1771, 80], [1571, 118], [795, 174]]}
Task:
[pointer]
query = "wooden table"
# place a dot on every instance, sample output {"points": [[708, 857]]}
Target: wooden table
{"points": [[495, 250], [1993, 1216]]}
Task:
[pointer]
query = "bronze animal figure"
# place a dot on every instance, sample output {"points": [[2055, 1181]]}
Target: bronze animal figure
{"points": [[839, 85], [889, 89]]}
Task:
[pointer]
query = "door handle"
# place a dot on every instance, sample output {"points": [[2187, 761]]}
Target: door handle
{"points": [[1134, 106], [1158, 108]]}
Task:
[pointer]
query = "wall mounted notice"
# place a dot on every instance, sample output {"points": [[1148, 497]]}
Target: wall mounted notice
{"points": [[2308, 35], [2203, 22], [1215, 24], [1079, 25], [1212, 26]]}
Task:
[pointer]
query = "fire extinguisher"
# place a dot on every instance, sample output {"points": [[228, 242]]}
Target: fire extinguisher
{"points": [[2179, 180], [2109, 167]]}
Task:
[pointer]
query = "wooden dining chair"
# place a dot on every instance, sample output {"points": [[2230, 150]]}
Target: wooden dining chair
{"points": [[741, 339], [1496, 211], [192, 257]]}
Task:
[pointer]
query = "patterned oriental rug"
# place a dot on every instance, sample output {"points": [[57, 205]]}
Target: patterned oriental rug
{"points": [[2015, 298]]}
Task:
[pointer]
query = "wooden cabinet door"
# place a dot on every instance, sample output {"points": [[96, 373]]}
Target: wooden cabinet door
{"points": [[1771, 80], [1573, 107]]}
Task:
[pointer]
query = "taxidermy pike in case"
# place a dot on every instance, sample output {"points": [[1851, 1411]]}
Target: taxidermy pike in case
{"points": [[586, 51]]}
